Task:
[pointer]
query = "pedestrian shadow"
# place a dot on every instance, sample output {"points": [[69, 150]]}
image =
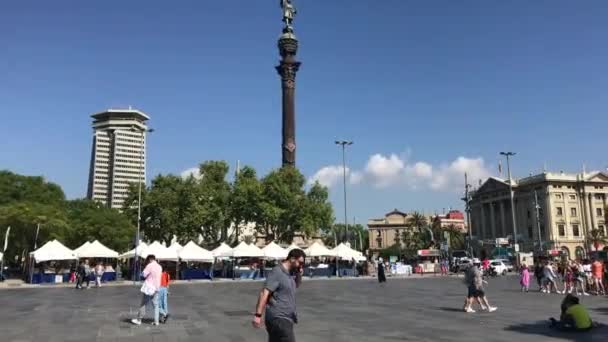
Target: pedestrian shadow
{"points": [[541, 328], [448, 309]]}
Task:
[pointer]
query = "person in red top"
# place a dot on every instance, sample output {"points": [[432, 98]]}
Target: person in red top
{"points": [[163, 293], [597, 270]]}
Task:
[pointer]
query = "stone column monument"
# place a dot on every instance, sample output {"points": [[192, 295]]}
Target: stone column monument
{"points": [[287, 69]]}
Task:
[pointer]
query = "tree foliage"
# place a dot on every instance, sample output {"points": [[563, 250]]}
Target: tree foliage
{"points": [[278, 205], [26, 202]]}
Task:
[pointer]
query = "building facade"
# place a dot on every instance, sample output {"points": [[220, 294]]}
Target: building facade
{"points": [[569, 207], [453, 218], [118, 156], [386, 232]]}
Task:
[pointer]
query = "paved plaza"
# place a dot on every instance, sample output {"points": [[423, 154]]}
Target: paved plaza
{"points": [[330, 310]]}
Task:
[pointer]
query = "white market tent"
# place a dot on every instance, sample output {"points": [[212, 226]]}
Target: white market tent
{"points": [[193, 252], [1, 255], [222, 251], [81, 248], [317, 250], [292, 246], [176, 246], [347, 253], [53, 250], [131, 254], [96, 249], [160, 252], [244, 250], [274, 251]]}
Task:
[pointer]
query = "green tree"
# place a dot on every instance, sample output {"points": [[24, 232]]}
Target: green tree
{"points": [[286, 208], [357, 234], [418, 220], [455, 237], [89, 220], [245, 199], [412, 241], [25, 202], [214, 197]]}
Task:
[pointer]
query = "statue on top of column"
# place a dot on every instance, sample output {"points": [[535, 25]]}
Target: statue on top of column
{"points": [[289, 12]]}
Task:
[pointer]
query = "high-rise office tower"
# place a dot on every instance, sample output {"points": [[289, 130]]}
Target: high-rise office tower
{"points": [[118, 156]]}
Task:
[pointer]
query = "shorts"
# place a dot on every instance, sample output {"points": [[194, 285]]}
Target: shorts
{"points": [[598, 277], [475, 293]]}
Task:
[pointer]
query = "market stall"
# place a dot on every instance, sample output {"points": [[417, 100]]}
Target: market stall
{"points": [[252, 254], [272, 251], [98, 252], [165, 256], [428, 261], [349, 257], [194, 256], [52, 263], [317, 250], [222, 256]]}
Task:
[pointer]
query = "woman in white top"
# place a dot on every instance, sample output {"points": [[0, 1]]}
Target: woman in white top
{"points": [[99, 269]]}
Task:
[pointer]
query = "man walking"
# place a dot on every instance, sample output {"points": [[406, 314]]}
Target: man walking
{"points": [[278, 298], [474, 281]]}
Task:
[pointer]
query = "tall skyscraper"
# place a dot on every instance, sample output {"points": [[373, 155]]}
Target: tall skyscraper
{"points": [[118, 156]]}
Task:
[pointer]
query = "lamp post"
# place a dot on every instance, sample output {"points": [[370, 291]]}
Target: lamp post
{"points": [[508, 155], [344, 143], [467, 211], [141, 175]]}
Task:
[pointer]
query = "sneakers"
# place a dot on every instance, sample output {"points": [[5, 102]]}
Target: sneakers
{"points": [[164, 318], [469, 310], [492, 309], [585, 294], [136, 321]]}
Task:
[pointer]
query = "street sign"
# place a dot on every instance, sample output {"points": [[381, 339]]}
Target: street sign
{"points": [[516, 248]]}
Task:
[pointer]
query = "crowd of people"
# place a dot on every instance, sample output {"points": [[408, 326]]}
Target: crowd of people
{"points": [[82, 274], [571, 276]]}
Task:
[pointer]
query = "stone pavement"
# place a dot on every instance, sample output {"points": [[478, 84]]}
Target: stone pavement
{"points": [[407, 309]]}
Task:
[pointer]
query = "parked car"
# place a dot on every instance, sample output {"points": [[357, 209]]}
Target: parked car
{"points": [[499, 266], [509, 264]]}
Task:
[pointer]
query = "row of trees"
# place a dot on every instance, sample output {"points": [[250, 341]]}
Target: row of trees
{"points": [[27, 203], [422, 234], [278, 205]]}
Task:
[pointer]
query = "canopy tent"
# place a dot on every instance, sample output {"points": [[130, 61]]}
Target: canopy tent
{"points": [[222, 251], [244, 250], [274, 251], [317, 250], [131, 254], [53, 250], [81, 248], [193, 252], [176, 246], [342, 251], [96, 249], [292, 246], [1, 255], [347, 253], [160, 252]]}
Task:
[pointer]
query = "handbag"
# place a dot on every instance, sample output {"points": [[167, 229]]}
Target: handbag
{"points": [[147, 289]]}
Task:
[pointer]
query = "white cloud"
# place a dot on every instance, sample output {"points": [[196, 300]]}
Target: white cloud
{"points": [[356, 177], [193, 171], [384, 171], [392, 170], [328, 176]]}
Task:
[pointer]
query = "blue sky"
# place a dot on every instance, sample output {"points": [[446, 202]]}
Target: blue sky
{"points": [[426, 89]]}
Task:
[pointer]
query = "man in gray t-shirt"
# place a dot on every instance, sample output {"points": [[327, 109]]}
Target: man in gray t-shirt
{"points": [[278, 298]]}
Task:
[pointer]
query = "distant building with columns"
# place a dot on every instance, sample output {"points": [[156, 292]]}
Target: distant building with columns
{"points": [[570, 206]]}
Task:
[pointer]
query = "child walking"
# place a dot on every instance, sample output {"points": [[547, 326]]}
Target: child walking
{"points": [[163, 293], [524, 279]]}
